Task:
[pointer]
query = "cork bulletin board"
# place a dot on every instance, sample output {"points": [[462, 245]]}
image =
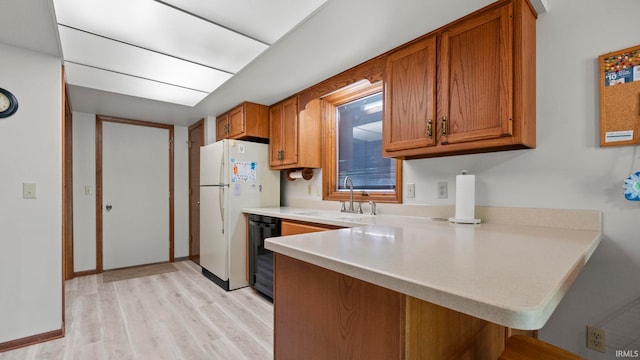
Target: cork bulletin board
{"points": [[620, 97]]}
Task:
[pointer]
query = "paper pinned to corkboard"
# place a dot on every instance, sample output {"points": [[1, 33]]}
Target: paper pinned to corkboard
{"points": [[620, 97]]}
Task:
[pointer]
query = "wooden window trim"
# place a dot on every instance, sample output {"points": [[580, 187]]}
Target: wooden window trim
{"points": [[329, 169]]}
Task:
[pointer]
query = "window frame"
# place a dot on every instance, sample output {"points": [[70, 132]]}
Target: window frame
{"points": [[329, 104]]}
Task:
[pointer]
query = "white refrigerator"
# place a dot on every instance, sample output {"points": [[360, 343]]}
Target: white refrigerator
{"points": [[234, 174]]}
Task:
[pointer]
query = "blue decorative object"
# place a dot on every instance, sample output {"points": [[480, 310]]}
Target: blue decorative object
{"points": [[632, 187]]}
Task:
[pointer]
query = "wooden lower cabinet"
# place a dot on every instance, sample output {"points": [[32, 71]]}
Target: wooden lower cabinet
{"points": [[435, 332], [290, 227], [322, 314]]}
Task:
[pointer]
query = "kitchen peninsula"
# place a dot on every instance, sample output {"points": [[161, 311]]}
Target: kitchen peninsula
{"points": [[395, 287]]}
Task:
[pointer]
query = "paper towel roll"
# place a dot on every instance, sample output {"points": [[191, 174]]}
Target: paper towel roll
{"points": [[305, 174], [296, 174], [465, 199]]}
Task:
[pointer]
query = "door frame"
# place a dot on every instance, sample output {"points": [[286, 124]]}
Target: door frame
{"points": [[99, 120], [199, 123]]}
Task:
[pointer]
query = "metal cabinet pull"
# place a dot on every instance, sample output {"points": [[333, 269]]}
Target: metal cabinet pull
{"points": [[429, 128], [444, 126]]}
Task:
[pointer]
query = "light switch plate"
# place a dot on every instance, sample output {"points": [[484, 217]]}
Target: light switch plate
{"points": [[411, 191], [29, 191], [88, 190]]}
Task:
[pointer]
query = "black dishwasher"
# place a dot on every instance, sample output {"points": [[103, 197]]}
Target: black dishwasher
{"points": [[261, 259]]}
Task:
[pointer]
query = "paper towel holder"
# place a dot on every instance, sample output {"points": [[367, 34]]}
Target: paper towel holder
{"points": [[460, 220], [293, 174]]}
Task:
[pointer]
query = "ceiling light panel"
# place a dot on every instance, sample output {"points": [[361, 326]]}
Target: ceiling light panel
{"points": [[267, 21], [89, 77], [88, 49], [158, 27]]}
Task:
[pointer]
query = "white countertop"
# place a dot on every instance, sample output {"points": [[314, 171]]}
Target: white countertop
{"points": [[512, 275]]}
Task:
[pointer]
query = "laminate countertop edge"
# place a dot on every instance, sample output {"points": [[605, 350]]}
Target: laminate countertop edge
{"points": [[480, 270]]}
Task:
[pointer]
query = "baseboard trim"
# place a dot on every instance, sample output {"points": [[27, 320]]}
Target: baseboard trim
{"points": [[84, 273], [32, 340], [183, 258]]}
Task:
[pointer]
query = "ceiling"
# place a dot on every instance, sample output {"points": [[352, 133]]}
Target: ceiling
{"points": [[324, 42]]}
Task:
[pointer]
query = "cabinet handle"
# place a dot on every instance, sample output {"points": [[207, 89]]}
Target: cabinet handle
{"points": [[226, 129], [429, 128], [444, 126]]}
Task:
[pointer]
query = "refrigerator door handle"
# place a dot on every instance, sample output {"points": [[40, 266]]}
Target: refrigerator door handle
{"points": [[221, 203], [221, 189]]}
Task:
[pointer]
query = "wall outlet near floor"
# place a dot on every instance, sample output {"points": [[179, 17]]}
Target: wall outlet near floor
{"points": [[596, 339], [443, 190]]}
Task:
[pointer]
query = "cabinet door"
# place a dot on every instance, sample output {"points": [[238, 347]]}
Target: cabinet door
{"points": [[283, 138], [475, 83], [290, 132], [275, 134], [410, 111], [236, 122], [222, 126]]}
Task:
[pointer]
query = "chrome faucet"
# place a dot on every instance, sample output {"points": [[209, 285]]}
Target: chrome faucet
{"points": [[347, 178]]}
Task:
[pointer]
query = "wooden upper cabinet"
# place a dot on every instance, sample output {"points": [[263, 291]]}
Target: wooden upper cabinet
{"points": [[470, 85], [295, 137], [237, 122], [222, 126], [247, 121], [476, 78], [283, 124], [410, 97]]}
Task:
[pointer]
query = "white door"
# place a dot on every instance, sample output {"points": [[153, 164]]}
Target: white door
{"points": [[135, 195]]}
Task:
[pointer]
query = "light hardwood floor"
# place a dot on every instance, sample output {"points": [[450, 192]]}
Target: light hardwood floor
{"points": [[177, 315]]}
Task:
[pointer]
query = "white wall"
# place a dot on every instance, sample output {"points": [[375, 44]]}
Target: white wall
{"points": [[30, 229], [181, 191], [568, 169], [84, 205], [210, 130], [84, 215]]}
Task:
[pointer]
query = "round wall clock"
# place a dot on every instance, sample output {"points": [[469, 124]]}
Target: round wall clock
{"points": [[8, 103]]}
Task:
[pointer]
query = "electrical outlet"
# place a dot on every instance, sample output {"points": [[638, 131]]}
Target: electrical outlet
{"points": [[443, 190], [596, 339]]}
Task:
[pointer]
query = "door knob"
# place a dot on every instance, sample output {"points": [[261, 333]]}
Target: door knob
{"points": [[198, 202], [109, 207]]}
